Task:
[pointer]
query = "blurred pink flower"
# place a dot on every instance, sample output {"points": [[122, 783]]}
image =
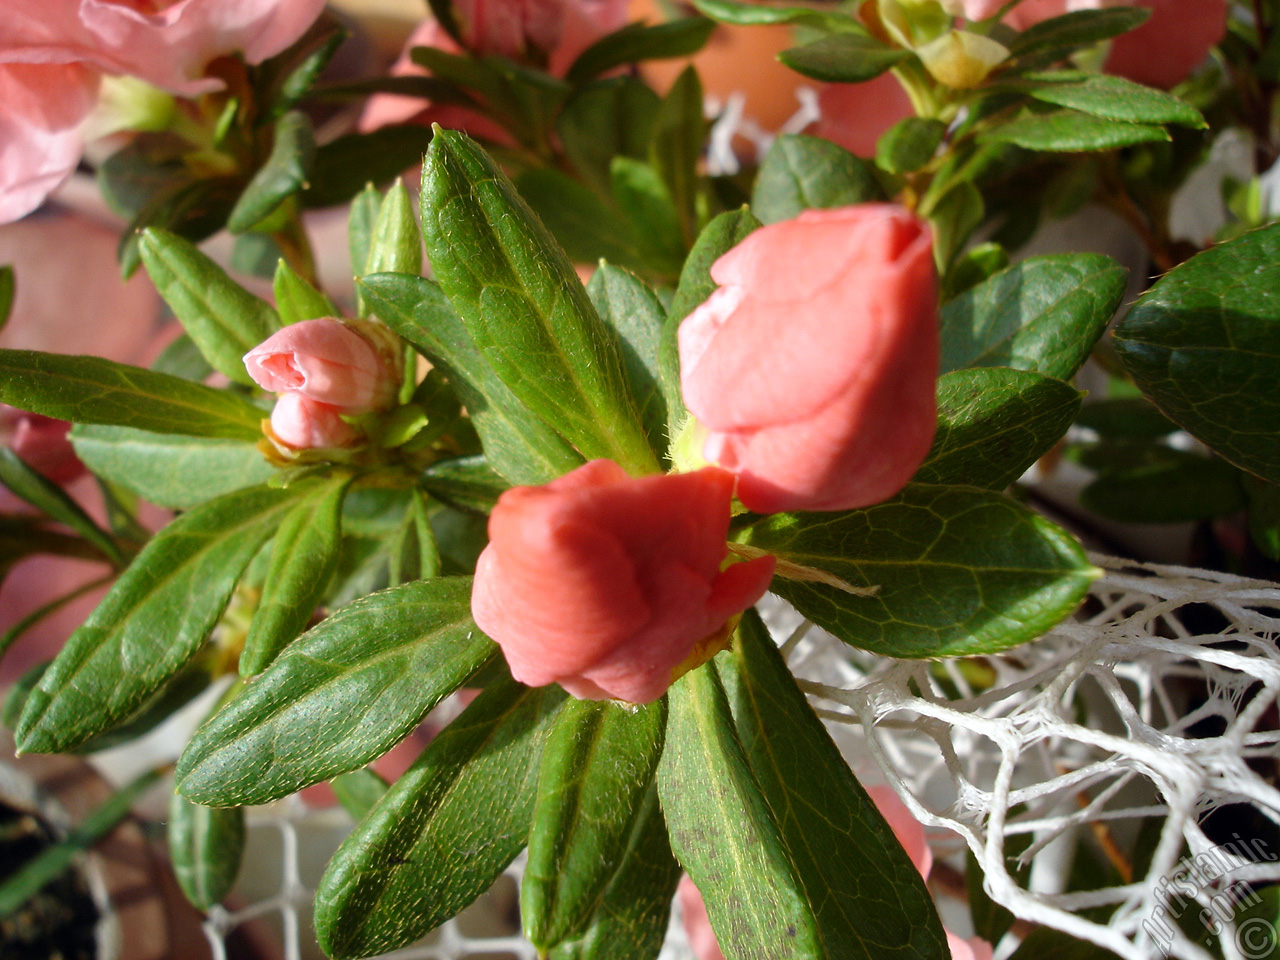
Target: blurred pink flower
{"points": [[41, 443], [52, 53], [813, 366], [856, 115], [974, 9], [608, 584], [305, 424], [325, 361]]}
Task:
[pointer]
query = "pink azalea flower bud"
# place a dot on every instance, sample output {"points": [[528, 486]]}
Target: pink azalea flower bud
{"points": [[326, 361], [41, 442], [305, 424], [813, 367], [611, 585]]}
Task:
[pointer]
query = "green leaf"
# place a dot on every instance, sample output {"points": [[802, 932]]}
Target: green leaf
{"points": [[359, 791], [347, 165], [1060, 35], [724, 834], [444, 831], [959, 570], [152, 620], [636, 42], [750, 14], [1112, 98], [8, 290], [297, 299], [679, 131], [94, 390], [339, 696], [587, 227], [182, 358], [304, 555], [223, 319], [284, 173], [414, 554], [869, 900], [1132, 418], [843, 58], [396, 243], [597, 765], [653, 218], [54, 502], [205, 846], [994, 423], [1043, 314], [518, 445], [909, 144], [361, 220], [954, 216], [1203, 344], [519, 298], [632, 919], [464, 482], [1171, 487], [634, 312], [169, 470], [806, 173], [1071, 131], [606, 119], [191, 209]]}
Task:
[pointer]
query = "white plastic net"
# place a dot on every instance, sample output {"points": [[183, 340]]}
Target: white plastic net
{"points": [[1127, 726]]}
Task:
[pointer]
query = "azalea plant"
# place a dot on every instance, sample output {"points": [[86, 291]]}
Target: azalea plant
{"points": [[818, 376]]}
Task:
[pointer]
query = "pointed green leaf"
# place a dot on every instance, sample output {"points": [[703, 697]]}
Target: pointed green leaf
{"points": [[94, 390], [1071, 131], [169, 470], [1112, 98], [359, 791], [636, 42], [54, 502], [869, 899], [609, 118], [347, 165], [679, 132], [802, 173], [519, 298], [283, 174], [1203, 344], [843, 58], [297, 299], [632, 919], [339, 696], [651, 215], [597, 765], [152, 621], [1060, 35], [465, 482], [750, 14], [959, 571], [994, 423], [414, 554], [396, 243], [444, 831], [724, 833], [205, 846], [634, 312], [909, 144], [8, 290], [517, 444], [1043, 314], [304, 555], [223, 319], [182, 358], [587, 227]]}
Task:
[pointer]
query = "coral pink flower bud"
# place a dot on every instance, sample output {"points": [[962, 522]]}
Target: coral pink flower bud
{"points": [[305, 424], [41, 442], [324, 360], [606, 583], [813, 367]]}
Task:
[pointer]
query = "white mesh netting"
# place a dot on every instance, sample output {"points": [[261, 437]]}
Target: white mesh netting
{"points": [[1127, 726]]}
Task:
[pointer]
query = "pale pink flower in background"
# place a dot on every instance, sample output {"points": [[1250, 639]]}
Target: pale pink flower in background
{"points": [[973, 9], [813, 366], [325, 361], [305, 424], [606, 583]]}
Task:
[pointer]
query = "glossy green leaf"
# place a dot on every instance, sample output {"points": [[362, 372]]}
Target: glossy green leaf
{"points": [[632, 919], [1043, 314], [361, 219], [194, 209], [1132, 418], [359, 791], [954, 216], [588, 228], [444, 831], [304, 555], [152, 621], [8, 290], [724, 834], [339, 696], [519, 298], [54, 502], [1071, 131], [518, 445], [297, 299], [597, 765], [679, 132], [1060, 35], [994, 423], [750, 14], [1112, 98], [347, 165], [638, 41], [205, 846], [284, 173], [606, 119], [869, 900], [465, 482], [223, 319], [909, 144], [1172, 486], [843, 58], [396, 243], [182, 358], [414, 554], [959, 570], [94, 390], [179, 690], [802, 173], [651, 214], [1203, 345], [634, 312], [167, 469]]}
